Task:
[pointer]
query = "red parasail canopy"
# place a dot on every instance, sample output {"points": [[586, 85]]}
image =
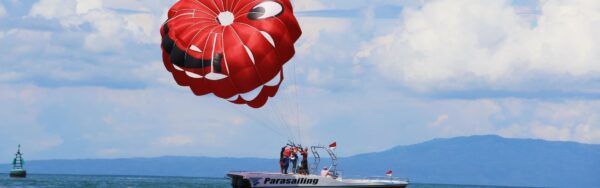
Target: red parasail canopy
{"points": [[234, 49]]}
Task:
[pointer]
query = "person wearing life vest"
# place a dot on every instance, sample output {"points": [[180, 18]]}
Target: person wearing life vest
{"points": [[286, 159]]}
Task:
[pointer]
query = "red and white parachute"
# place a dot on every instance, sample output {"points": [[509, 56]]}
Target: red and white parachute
{"points": [[234, 49]]}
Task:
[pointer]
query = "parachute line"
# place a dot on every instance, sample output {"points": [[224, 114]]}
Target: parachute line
{"points": [[291, 106], [253, 64], [282, 119], [262, 123], [279, 115], [296, 101], [267, 125]]}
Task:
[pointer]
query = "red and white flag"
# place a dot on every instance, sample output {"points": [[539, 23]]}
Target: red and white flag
{"points": [[332, 146], [389, 173]]}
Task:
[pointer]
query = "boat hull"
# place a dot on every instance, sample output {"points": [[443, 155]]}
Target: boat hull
{"points": [[255, 179], [18, 173]]}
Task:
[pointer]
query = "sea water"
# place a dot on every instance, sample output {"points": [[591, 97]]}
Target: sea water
{"points": [[86, 181]]}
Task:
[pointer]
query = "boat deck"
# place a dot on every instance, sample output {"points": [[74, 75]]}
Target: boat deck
{"points": [[266, 179]]}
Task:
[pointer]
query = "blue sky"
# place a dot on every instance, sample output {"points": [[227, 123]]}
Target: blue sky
{"points": [[84, 79]]}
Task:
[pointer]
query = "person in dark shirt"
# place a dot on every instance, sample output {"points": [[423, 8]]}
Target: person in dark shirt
{"points": [[281, 161], [304, 162]]}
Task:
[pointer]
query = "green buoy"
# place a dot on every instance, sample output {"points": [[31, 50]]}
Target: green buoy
{"points": [[18, 171]]}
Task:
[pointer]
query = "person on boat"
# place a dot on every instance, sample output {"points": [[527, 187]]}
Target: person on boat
{"points": [[304, 162], [301, 170], [325, 172], [294, 159], [281, 159], [286, 159]]}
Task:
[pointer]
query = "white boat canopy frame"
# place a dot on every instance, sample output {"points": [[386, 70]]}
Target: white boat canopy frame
{"points": [[317, 160]]}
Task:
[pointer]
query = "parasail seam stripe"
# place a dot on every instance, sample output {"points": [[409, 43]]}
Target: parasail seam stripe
{"points": [[214, 13]]}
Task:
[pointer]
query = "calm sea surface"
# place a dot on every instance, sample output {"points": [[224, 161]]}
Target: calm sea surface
{"points": [[138, 181]]}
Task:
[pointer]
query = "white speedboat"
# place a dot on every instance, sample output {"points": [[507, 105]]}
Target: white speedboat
{"points": [[334, 179], [259, 179]]}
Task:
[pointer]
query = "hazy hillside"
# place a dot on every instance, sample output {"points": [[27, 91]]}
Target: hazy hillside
{"points": [[488, 160]]}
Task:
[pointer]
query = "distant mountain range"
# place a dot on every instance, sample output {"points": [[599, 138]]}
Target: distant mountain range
{"points": [[475, 160]]}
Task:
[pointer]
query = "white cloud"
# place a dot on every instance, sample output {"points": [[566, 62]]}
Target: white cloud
{"points": [[155, 73], [550, 132], [2, 10], [29, 41], [566, 121], [319, 77], [111, 29], [47, 143], [143, 27], [108, 31], [312, 34], [571, 120], [8, 76], [50, 9], [157, 121], [18, 122], [315, 5], [469, 117], [85, 6], [145, 122], [466, 44], [109, 43], [309, 5], [439, 120], [322, 57], [425, 50]]}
